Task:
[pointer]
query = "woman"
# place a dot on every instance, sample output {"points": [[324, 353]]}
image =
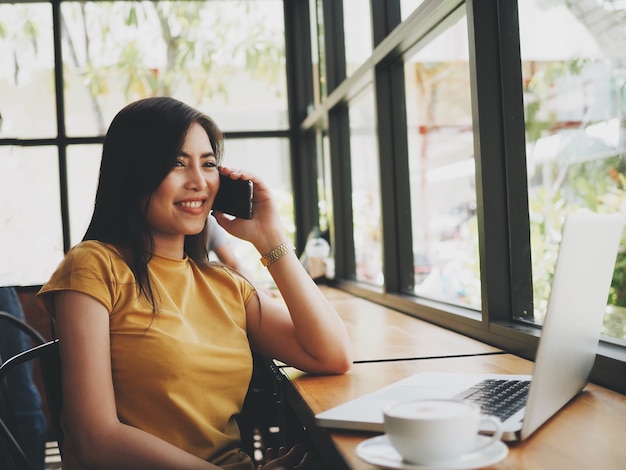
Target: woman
{"points": [[155, 341]]}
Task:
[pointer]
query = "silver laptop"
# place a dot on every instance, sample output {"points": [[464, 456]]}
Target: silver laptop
{"points": [[565, 355]]}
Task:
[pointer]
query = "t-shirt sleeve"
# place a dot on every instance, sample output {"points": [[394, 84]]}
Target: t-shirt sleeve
{"points": [[242, 285], [86, 268], [248, 290]]}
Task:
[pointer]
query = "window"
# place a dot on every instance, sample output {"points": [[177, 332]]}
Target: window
{"points": [[358, 33], [409, 6], [317, 50], [83, 167], [224, 57], [32, 242], [366, 189], [482, 149], [442, 170], [27, 72], [574, 79]]}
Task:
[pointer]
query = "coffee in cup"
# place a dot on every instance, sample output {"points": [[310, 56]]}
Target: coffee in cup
{"points": [[431, 431]]}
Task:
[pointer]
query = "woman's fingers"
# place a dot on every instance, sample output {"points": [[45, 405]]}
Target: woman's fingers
{"points": [[295, 458]]}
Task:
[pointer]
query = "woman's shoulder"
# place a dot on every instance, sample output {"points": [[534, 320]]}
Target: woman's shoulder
{"points": [[91, 267], [92, 255], [94, 249], [94, 246], [218, 269]]}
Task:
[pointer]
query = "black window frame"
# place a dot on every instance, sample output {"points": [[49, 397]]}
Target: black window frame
{"points": [[502, 191]]}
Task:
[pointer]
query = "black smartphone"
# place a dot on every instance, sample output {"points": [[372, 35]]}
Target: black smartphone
{"points": [[234, 197]]}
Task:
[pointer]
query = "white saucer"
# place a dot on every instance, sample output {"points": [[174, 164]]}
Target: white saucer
{"points": [[378, 451]]}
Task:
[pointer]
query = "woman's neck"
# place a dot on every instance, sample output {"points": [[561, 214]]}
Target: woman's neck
{"points": [[170, 247]]}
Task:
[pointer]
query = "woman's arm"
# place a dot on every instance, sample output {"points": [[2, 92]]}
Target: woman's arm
{"points": [[89, 411], [304, 331]]}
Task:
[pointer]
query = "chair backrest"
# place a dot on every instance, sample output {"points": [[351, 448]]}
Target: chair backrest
{"points": [[32, 333], [12, 455], [49, 360]]}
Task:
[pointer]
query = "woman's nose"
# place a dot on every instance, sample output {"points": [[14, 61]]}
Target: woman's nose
{"points": [[196, 177]]}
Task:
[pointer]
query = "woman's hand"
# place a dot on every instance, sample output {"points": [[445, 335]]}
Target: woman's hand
{"points": [[296, 459], [264, 230]]}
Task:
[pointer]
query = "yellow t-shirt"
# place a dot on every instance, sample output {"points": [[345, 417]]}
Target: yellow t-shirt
{"points": [[183, 373]]}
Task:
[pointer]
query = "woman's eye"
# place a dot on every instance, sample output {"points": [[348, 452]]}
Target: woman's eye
{"points": [[210, 164], [179, 163]]}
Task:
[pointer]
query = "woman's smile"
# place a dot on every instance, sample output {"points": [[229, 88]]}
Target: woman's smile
{"points": [[192, 205]]}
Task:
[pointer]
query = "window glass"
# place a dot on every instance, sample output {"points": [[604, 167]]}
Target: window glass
{"points": [[269, 159], [574, 81], [357, 24], [226, 58], [27, 104], [409, 6], [325, 192], [31, 240], [83, 169], [318, 51], [441, 166], [366, 188]]}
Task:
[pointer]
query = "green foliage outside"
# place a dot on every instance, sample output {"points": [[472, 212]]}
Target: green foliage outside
{"points": [[583, 177]]}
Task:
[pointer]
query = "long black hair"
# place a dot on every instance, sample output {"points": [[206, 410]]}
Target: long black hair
{"points": [[140, 149]]}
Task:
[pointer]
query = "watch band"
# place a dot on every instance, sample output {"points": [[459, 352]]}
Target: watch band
{"points": [[277, 253]]}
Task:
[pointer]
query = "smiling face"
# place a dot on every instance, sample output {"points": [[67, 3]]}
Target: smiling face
{"points": [[181, 203]]}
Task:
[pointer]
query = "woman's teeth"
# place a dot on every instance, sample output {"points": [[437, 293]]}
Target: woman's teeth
{"points": [[192, 204]]}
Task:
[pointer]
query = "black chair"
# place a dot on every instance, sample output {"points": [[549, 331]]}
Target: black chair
{"points": [[47, 355], [36, 338], [259, 421], [34, 335], [8, 420], [49, 360]]}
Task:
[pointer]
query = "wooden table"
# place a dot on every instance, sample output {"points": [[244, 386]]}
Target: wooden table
{"points": [[380, 333], [588, 433]]}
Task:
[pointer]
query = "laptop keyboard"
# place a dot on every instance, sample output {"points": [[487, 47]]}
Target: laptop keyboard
{"points": [[500, 398]]}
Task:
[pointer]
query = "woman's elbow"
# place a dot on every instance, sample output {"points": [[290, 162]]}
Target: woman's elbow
{"points": [[343, 366], [344, 356], [339, 363]]}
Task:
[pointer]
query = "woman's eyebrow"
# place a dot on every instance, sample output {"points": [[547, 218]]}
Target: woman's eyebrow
{"points": [[184, 154]]}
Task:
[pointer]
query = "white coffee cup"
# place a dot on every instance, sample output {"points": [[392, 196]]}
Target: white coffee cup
{"points": [[431, 431]]}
